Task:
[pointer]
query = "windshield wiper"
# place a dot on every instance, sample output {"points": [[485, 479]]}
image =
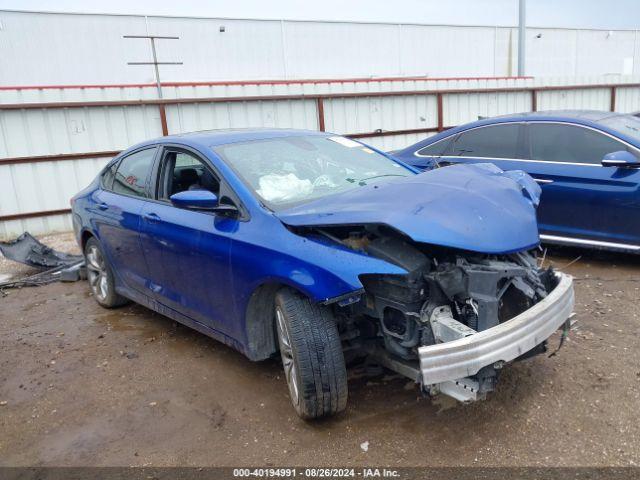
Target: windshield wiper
{"points": [[362, 181]]}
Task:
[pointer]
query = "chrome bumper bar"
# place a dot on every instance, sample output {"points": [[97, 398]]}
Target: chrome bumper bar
{"points": [[464, 357]]}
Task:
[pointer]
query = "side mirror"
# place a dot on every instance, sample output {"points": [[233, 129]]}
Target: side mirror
{"points": [[621, 159], [195, 200], [225, 210]]}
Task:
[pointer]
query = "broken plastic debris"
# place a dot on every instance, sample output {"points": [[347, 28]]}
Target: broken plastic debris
{"points": [[26, 249]]}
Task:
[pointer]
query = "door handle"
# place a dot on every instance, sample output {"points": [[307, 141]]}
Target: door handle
{"points": [[103, 206], [151, 217], [543, 181]]}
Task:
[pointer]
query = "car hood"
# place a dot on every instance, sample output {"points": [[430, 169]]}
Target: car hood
{"points": [[471, 207]]}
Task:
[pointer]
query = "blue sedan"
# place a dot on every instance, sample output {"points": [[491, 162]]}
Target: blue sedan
{"points": [[587, 163], [325, 250]]}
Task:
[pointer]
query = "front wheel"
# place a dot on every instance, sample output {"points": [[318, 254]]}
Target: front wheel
{"points": [[311, 354]]}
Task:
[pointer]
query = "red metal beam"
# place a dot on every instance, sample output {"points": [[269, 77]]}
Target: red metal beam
{"points": [[163, 120], [320, 108], [255, 82], [386, 133], [612, 105], [59, 157], [21, 216], [327, 96], [534, 100], [440, 110]]}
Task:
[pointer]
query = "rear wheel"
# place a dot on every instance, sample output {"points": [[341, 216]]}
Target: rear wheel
{"points": [[311, 354], [100, 276]]}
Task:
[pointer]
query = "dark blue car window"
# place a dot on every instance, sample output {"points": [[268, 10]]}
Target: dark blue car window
{"points": [[132, 173], [495, 141], [555, 142], [435, 149], [108, 175]]}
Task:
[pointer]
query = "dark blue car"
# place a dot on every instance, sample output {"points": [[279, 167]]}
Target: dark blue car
{"points": [[587, 163], [327, 251]]}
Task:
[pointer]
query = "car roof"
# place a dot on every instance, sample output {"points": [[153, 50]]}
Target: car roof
{"points": [[588, 115], [590, 118], [584, 117]]}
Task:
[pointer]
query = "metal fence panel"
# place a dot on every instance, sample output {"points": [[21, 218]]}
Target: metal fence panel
{"points": [[56, 131], [369, 114], [29, 185], [273, 114], [627, 100], [590, 99], [468, 107]]}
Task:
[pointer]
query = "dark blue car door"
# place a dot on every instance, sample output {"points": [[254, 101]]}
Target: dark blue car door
{"points": [[118, 206], [187, 251], [582, 198]]}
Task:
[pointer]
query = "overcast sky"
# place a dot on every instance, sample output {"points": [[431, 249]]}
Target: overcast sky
{"points": [[604, 14]]}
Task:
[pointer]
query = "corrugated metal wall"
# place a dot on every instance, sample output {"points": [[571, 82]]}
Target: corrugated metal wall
{"points": [[63, 49], [33, 185]]}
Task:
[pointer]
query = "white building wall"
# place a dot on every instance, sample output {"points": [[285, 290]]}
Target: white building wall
{"points": [[64, 49]]}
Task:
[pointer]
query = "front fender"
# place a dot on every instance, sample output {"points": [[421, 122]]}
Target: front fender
{"points": [[321, 271]]}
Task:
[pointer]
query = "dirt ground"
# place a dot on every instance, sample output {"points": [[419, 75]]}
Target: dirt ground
{"points": [[81, 385]]}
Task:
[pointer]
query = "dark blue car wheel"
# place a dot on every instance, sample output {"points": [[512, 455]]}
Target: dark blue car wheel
{"points": [[312, 356]]}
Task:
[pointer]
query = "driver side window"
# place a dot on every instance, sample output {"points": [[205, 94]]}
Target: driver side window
{"points": [[181, 171], [554, 142]]}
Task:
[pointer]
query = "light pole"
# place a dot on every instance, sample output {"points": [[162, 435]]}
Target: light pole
{"points": [[522, 29]]}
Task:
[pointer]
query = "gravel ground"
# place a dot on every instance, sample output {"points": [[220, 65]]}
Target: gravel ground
{"points": [[81, 385]]}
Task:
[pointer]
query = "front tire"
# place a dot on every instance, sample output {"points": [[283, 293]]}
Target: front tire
{"points": [[100, 276], [312, 355]]}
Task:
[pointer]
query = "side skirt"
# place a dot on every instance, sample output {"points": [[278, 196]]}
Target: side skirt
{"points": [[156, 306], [570, 241]]}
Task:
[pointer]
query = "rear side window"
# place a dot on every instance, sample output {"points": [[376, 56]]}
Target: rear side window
{"points": [[435, 149], [132, 173], [108, 175], [569, 143], [496, 141]]}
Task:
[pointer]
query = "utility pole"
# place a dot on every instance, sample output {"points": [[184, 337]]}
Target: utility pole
{"points": [[155, 63], [522, 30]]}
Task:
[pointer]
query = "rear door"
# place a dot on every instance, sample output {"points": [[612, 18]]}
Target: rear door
{"points": [[117, 216], [187, 251], [581, 198]]}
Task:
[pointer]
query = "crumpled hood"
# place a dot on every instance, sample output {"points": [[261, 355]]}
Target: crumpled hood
{"points": [[474, 207]]}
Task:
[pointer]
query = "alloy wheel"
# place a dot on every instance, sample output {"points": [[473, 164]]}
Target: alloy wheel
{"points": [[286, 353], [97, 273]]}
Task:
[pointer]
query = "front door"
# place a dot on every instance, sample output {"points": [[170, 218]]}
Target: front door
{"points": [[187, 251], [580, 197]]}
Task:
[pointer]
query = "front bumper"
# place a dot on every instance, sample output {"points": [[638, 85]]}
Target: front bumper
{"points": [[455, 360]]}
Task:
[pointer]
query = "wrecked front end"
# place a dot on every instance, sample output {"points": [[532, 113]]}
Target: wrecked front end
{"points": [[454, 320], [473, 297]]}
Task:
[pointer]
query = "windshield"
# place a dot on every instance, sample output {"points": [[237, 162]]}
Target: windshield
{"points": [[292, 170], [625, 124]]}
